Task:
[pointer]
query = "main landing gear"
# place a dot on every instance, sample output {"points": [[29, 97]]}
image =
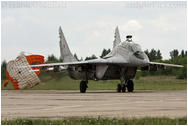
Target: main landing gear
{"points": [[122, 87], [83, 86]]}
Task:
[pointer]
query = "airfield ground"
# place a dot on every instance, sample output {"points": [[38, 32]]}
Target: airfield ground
{"points": [[53, 104]]}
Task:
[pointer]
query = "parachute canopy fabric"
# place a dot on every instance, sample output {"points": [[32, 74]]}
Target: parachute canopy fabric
{"points": [[24, 78]]}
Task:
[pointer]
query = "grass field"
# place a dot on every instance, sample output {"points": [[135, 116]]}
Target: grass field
{"points": [[99, 121], [143, 83]]}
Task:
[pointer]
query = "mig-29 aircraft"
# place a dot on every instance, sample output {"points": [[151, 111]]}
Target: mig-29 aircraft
{"points": [[121, 63]]}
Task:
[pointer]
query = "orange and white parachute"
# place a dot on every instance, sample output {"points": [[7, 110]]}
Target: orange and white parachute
{"points": [[24, 78]]}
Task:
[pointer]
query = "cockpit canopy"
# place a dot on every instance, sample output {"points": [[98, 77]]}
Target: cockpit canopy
{"points": [[136, 48], [133, 47]]}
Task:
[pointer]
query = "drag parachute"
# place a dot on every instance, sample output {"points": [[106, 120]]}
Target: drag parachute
{"points": [[24, 77]]}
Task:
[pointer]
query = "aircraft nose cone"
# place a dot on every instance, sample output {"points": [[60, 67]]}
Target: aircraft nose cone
{"points": [[146, 60], [140, 59]]}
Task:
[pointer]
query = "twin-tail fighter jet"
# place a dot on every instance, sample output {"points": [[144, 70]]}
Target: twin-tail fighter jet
{"points": [[121, 63]]}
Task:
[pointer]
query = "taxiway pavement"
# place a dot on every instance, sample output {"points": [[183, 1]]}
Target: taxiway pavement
{"points": [[54, 104]]}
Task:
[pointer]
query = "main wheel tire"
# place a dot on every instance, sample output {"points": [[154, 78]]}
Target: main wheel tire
{"points": [[130, 86], [123, 88], [83, 87], [119, 88]]}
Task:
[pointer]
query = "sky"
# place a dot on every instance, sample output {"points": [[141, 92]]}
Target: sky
{"points": [[89, 26]]}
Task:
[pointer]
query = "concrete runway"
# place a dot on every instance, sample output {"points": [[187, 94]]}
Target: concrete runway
{"points": [[61, 104]]}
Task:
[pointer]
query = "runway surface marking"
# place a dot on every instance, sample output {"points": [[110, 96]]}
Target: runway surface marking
{"points": [[110, 104], [62, 104], [76, 106]]}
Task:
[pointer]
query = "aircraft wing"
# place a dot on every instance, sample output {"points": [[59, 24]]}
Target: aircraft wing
{"points": [[113, 60], [165, 64]]}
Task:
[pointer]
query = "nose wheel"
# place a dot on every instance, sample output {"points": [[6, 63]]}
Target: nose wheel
{"points": [[129, 86], [121, 88]]}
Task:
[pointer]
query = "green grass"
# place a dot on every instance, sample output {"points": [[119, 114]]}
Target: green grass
{"points": [[143, 83], [99, 121], [160, 83]]}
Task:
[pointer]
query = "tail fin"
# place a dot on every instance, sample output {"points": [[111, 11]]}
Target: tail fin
{"points": [[66, 54], [117, 38]]}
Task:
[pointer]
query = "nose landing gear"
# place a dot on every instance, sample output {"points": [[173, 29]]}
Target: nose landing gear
{"points": [[129, 86]]}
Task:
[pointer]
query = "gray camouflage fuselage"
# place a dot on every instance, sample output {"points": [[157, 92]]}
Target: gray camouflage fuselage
{"points": [[121, 63], [127, 52]]}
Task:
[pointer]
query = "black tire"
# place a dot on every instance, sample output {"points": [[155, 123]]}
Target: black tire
{"points": [[83, 87], [119, 88], [130, 86], [123, 88]]}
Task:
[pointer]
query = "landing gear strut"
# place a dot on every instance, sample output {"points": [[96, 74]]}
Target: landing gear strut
{"points": [[83, 86], [123, 88]]}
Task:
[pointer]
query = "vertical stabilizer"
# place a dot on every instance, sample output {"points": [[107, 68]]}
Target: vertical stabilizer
{"points": [[117, 38], [66, 55]]}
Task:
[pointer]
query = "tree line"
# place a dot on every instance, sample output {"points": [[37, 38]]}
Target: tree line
{"points": [[153, 55], [93, 56], [176, 58]]}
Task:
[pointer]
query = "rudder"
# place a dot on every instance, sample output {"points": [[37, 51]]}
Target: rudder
{"points": [[66, 54], [117, 38]]}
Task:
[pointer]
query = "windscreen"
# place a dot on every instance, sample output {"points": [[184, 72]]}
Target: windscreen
{"points": [[136, 48]]}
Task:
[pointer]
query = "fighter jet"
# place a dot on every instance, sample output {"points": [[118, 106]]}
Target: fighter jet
{"points": [[121, 63]]}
